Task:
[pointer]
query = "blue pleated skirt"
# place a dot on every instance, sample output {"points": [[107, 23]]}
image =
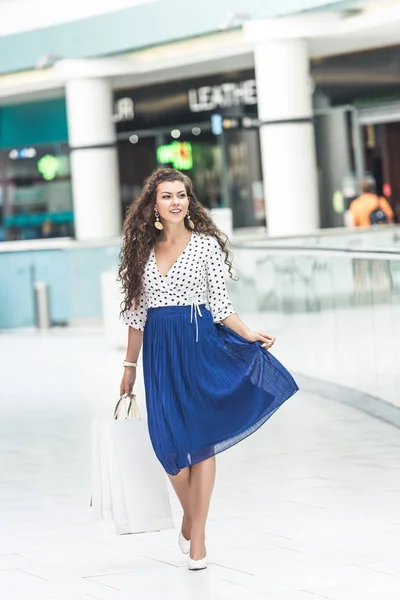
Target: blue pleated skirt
{"points": [[206, 389]]}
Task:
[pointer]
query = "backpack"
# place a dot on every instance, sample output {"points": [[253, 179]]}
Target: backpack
{"points": [[378, 216]]}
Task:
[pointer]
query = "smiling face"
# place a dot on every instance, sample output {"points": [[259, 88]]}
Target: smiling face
{"points": [[172, 201]]}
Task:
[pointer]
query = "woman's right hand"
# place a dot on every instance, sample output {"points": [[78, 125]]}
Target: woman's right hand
{"points": [[128, 381]]}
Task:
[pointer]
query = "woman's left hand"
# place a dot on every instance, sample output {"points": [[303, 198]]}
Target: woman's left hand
{"points": [[267, 341]]}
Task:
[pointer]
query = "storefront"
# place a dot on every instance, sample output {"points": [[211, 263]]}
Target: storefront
{"points": [[35, 182], [358, 131], [205, 127], [209, 128]]}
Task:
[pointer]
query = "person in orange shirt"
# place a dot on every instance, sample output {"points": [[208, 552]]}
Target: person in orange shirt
{"points": [[370, 209]]}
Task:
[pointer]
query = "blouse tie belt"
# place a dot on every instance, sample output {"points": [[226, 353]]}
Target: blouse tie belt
{"points": [[194, 311]]}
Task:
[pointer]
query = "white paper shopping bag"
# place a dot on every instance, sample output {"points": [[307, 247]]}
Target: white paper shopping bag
{"points": [[101, 502], [129, 484]]}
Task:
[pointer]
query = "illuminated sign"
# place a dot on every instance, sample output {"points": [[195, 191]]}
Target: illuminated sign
{"points": [[22, 153], [216, 124], [179, 154], [48, 166], [124, 110], [226, 95]]}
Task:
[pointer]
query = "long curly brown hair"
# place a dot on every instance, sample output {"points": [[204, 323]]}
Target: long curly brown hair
{"points": [[140, 235]]}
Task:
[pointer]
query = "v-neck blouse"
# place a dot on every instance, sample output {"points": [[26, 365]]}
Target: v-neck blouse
{"points": [[196, 277]]}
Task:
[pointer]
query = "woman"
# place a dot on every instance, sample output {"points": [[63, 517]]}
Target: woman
{"points": [[209, 379]]}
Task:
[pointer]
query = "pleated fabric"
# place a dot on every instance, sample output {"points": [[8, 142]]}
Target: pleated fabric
{"points": [[205, 396]]}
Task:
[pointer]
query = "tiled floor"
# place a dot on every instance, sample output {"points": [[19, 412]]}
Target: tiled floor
{"points": [[307, 508]]}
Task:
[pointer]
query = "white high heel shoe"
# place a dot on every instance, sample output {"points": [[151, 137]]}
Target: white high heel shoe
{"points": [[184, 544], [197, 565]]}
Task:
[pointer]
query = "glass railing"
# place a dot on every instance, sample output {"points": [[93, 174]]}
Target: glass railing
{"points": [[379, 239], [335, 310], [335, 314]]}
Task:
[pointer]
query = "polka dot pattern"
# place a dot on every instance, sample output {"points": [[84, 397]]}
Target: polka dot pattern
{"points": [[196, 276]]}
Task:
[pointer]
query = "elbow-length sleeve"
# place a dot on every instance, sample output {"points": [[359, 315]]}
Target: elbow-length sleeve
{"points": [[220, 305], [136, 317]]}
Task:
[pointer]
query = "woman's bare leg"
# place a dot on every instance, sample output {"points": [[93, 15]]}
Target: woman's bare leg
{"points": [[201, 487], [181, 485]]}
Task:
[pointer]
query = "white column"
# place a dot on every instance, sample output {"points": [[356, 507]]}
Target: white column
{"points": [[287, 136], [94, 164]]}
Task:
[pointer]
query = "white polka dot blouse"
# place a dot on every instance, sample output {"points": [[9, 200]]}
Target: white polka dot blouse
{"points": [[196, 277]]}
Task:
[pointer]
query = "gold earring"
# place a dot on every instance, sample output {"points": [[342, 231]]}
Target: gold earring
{"points": [[158, 225], [189, 220]]}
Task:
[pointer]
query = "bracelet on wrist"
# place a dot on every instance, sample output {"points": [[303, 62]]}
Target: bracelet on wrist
{"points": [[126, 363]]}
